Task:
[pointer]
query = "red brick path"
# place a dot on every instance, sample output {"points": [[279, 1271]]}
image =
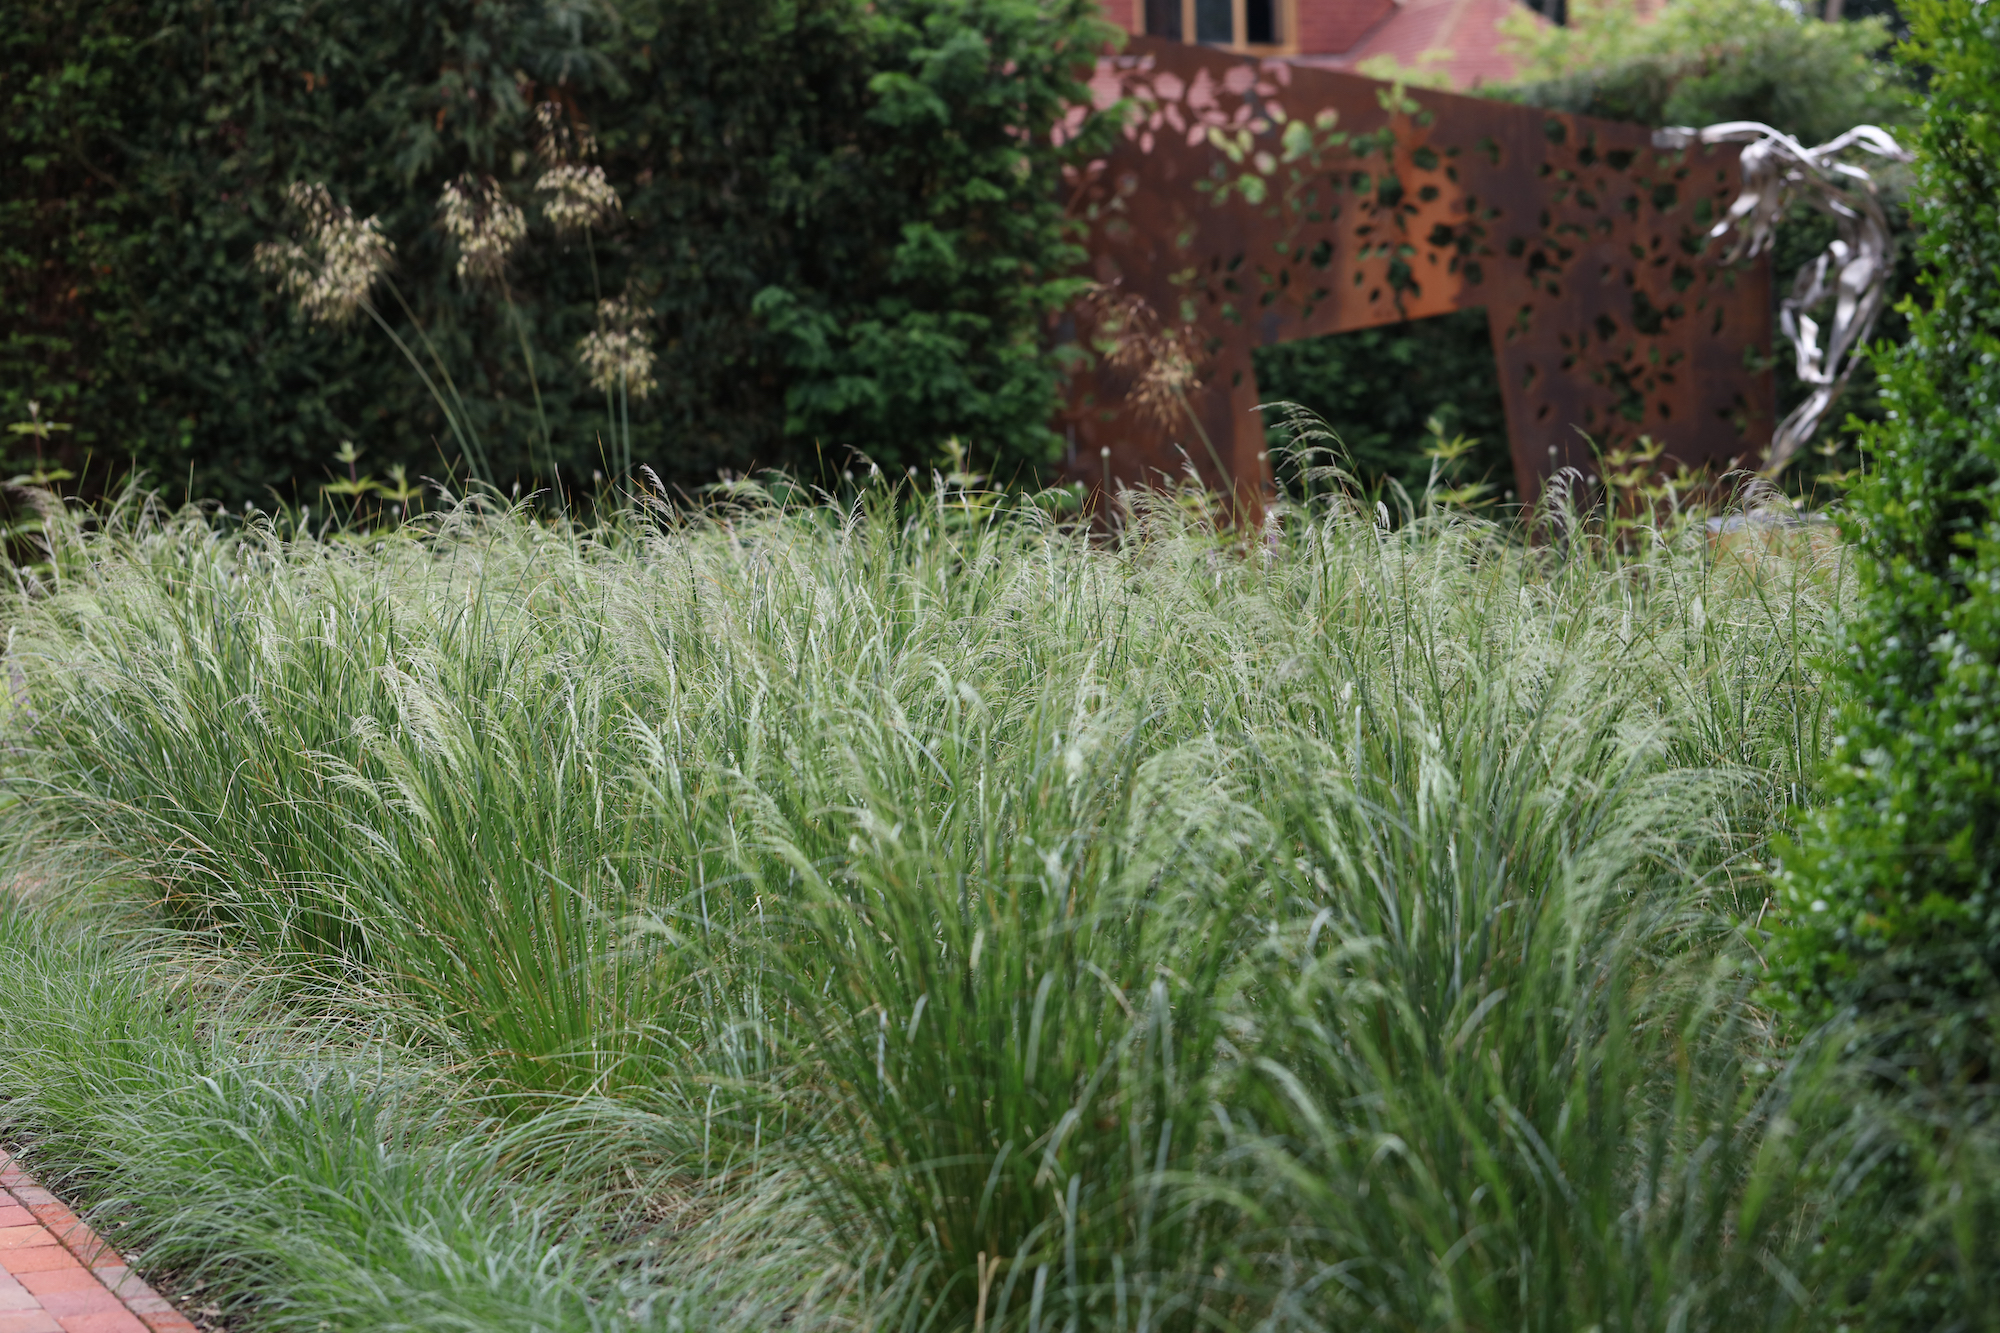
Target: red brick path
{"points": [[56, 1276]]}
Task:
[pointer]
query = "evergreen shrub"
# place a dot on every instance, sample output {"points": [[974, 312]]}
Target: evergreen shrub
{"points": [[840, 220], [1892, 895]]}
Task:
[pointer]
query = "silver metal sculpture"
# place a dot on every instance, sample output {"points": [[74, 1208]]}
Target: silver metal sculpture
{"points": [[1854, 270]]}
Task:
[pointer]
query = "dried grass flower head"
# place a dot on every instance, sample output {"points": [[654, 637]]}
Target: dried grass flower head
{"points": [[561, 139], [486, 226], [619, 351], [1132, 337], [577, 194], [331, 266], [577, 197]]}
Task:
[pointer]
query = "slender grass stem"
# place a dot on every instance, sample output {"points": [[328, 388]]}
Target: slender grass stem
{"points": [[474, 456], [528, 361], [468, 434]]}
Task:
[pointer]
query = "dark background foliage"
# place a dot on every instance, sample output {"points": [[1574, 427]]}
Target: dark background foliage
{"points": [[1438, 368], [843, 235], [148, 145]]}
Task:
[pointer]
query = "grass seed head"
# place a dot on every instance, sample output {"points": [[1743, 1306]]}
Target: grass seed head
{"points": [[330, 268], [561, 139], [577, 197], [1133, 337], [619, 350], [486, 226]]}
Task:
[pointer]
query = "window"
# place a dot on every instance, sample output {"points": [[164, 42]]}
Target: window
{"points": [[1232, 23], [1215, 22], [1260, 22]]}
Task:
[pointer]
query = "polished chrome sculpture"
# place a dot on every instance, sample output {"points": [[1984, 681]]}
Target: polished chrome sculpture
{"points": [[1854, 270]]}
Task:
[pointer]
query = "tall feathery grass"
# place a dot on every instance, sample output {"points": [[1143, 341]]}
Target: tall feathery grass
{"points": [[910, 912]]}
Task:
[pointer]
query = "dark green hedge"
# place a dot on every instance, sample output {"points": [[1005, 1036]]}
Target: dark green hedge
{"points": [[842, 217], [1893, 896]]}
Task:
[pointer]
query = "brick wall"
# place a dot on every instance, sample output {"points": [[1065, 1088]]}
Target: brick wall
{"points": [[1328, 27]]}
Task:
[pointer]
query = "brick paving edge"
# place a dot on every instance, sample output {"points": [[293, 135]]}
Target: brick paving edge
{"points": [[101, 1260]]}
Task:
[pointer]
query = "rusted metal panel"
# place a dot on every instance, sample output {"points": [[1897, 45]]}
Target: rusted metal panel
{"points": [[1253, 202]]}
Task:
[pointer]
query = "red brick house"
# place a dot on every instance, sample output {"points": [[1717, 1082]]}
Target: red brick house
{"points": [[1459, 39]]}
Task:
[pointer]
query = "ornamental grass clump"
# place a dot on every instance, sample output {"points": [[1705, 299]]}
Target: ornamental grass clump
{"points": [[1056, 931]]}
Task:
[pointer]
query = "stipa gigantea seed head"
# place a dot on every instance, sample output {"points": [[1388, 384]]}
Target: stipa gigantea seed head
{"points": [[562, 140], [1167, 376], [1131, 336], [487, 227], [619, 350], [330, 268], [577, 197]]}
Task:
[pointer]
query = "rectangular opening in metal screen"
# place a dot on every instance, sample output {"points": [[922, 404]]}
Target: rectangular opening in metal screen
{"points": [[1379, 389]]}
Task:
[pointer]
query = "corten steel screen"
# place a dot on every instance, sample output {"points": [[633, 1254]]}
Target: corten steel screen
{"points": [[1232, 211]]}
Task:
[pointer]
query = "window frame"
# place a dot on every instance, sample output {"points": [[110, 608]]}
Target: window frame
{"points": [[1286, 13]]}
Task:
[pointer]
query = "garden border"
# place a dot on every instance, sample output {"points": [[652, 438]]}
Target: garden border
{"points": [[54, 1265]]}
